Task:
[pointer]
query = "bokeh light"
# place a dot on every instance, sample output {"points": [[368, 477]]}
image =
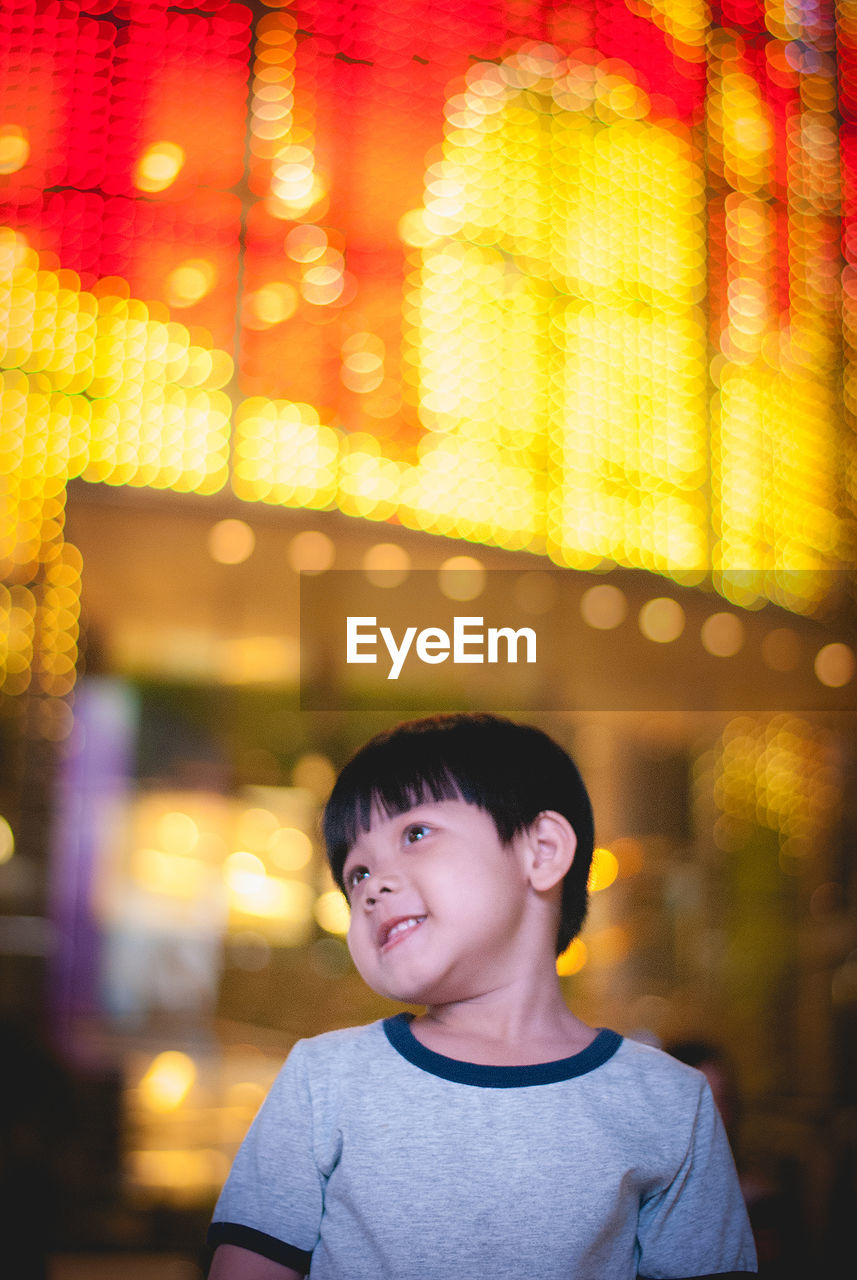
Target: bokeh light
{"points": [[332, 913], [159, 166], [604, 869], [315, 772], [311, 551], [722, 634], [461, 578], [14, 148], [7, 841], [386, 564], [603, 607], [168, 1080], [291, 848], [572, 959], [835, 665], [231, 541], [661, 620]]}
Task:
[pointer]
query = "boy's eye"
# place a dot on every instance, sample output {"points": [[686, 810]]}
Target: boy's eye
{"points": [[355, 875], [415, 832]]}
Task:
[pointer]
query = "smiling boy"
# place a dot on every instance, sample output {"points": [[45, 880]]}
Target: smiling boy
{"points": [[496, 1135]]}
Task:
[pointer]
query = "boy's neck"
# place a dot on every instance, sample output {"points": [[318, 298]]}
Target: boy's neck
{"points": [[497, 1029]]}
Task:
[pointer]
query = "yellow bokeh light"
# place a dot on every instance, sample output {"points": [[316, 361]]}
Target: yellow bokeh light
{"points": [[603, 607], [722, 634], [178, 832], [362, 362], [604, 869], [283, 454], [316, 773], [413, 230], [7, 841], [284, 904], [572, 959], [290, 848], [461, 578], [231, 541], [311, 551], [244, 872], [168, 875], [306, 243], [167, 1081], [332, 912], [14, 148], [256, 828], [159, 166], [123, 415], [324, 283], [180, 1176], [293, 175], [189, 282], [272, 103], [386, 564], [274, 303], [661, 620], [835, 665]]}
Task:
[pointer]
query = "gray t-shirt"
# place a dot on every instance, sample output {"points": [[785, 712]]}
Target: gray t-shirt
{"points": [[374, 1158]]}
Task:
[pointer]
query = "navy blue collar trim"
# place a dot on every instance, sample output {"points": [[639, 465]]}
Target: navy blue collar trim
{"points": [[398, 1032]]}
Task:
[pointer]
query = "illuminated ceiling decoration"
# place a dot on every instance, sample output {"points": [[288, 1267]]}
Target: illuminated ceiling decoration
{"points": [[442, 263], [776, 435], [560, 345]]}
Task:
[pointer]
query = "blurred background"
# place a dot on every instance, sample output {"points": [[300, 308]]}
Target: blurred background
{"points": [[547, 303]]}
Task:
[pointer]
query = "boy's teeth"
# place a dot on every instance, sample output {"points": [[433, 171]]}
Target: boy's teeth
{"points": [[404, 924]]}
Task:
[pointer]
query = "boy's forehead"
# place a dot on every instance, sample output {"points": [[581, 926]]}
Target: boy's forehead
{"points": [[382, 819]]}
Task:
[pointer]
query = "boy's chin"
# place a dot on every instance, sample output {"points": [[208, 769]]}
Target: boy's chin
{"points": [[403, 992]]}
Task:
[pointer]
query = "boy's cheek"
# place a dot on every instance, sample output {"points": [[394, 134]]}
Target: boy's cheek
{"points": [[355, 942]]}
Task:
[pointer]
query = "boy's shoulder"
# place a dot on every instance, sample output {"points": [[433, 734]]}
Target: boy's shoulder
{"points": [[345, 1048], [655, 1075], [344, 1039]]}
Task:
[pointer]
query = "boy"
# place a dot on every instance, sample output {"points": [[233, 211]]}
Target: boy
{"points": [[495, 1136]]}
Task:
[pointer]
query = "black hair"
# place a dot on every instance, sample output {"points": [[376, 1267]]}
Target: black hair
{"points": [[511, 771]]}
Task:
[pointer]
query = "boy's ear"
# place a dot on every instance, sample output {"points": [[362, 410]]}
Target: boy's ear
{"points": [[551, 845]]}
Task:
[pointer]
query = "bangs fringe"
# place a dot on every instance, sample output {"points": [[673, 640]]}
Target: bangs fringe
{"points": [[389, 791]]}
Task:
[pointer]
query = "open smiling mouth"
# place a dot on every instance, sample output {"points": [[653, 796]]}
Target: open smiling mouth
{"points": [[396, 930]]}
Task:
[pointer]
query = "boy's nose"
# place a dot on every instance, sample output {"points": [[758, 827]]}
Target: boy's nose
{"points": [[385, 884]]}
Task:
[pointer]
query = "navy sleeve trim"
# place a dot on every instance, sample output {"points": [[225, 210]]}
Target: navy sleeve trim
{"points": [[259, 1242], [713, 1275]]}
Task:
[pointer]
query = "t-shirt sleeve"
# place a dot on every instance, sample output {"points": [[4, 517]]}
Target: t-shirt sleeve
{"points": [[697, 1225], [273, 1199]]}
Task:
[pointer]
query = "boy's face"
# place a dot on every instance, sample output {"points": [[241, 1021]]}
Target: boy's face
{"points": [[437, 902]]}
